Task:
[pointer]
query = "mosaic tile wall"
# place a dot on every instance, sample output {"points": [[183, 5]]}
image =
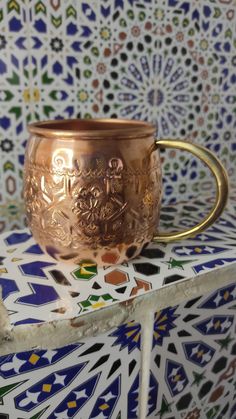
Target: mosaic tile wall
{"points": [[171, 62], [194, 350], [192, 370]]}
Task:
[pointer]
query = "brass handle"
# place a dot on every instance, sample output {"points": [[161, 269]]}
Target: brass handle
{"points": [[222, 184]]}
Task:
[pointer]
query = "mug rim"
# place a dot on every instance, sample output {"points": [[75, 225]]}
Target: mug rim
{"points": [[89, 128]]}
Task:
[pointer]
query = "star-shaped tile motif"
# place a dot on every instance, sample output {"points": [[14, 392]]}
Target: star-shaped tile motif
{"points": [[59, 379], [174, 263], [49, 354], [198, 378], [224, 343], [165, 407]]}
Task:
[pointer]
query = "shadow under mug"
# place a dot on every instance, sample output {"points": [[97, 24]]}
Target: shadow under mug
{"points": [[92, 188]]}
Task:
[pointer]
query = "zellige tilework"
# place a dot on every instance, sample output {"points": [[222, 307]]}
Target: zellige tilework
{"points": [[14, 98], [92, 379], [194, 350], [36, 288], [171, 63], [192, 370]]}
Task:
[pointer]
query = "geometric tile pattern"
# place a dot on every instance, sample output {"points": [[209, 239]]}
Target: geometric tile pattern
{"points": [[199, 372], [30, 279], [170, 62], [100, 377], [15, 107], [83, 380], [53, 383]]}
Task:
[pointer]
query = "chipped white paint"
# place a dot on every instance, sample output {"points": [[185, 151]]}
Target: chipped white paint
{"points": [[59, 333], [5, 326]]}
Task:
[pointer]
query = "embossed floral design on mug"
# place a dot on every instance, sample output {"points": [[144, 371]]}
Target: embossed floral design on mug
{"points": [[92, 188]]}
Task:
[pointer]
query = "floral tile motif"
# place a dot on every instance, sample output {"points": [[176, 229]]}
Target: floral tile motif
{"points": [[128, 335], [30, 279], [164, 321]]}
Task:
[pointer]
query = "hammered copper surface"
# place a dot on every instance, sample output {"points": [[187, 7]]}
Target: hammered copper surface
{"points": [[92, 197]]}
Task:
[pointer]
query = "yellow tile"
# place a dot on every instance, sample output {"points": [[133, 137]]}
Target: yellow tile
{"points": [[104, 406], [34, 359], [226, 295], [47, 388], [98, 305], [200, 353], [176, 378], [217, 324], [72, 404]]}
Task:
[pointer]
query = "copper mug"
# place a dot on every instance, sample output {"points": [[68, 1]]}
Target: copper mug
{"points": [[92, 188]]}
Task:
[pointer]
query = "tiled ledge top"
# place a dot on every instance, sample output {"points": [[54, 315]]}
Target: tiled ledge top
{"points": [[36, 289]]}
